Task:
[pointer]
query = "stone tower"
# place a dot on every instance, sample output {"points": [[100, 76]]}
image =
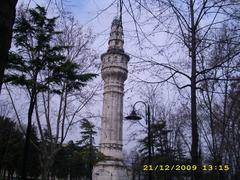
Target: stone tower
{"points": [[114, 73]]}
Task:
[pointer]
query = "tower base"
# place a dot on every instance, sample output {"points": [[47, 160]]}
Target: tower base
{"points": [[110, 170]]}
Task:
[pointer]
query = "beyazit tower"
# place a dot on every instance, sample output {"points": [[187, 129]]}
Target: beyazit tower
{"points": [[114, 73]]}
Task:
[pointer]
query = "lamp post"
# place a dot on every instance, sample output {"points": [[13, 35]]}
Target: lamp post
{"points": [[134, 116]]}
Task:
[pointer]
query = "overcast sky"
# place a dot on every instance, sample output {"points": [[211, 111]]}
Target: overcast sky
{"points": [[98, 16]]}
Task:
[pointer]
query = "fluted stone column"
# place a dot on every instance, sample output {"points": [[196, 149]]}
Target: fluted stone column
{"points": [[114, 73]]}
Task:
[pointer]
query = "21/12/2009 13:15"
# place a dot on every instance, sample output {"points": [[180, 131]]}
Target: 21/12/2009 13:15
{"points": [[186, 167]]}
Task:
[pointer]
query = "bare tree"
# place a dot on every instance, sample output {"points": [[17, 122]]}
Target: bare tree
{"points": [[190, 25], [215, 102]]}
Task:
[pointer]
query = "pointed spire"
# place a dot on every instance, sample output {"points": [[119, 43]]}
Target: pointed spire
{"points": [[116, 36]]}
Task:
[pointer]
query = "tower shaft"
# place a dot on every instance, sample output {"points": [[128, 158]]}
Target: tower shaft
{"points": [[114, 73]]}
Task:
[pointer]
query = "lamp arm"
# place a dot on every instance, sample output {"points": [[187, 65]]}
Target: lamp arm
{"points": [[147, 110], [145, 104]]}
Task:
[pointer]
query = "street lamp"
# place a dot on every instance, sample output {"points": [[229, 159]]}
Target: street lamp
{"points": [[134, 116]]}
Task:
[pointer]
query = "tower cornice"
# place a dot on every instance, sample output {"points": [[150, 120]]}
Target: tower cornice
{"points": [[114, 52]]}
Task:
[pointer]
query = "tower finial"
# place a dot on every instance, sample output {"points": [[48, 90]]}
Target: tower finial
{"points": [[120, 9], [117, 9]]}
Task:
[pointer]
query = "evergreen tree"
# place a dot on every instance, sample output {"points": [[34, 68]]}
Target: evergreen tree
{"points": [[75, 161], [11, 143], [89, 151], [11, 149], [39, 64], [163, 154], [87, 133]]}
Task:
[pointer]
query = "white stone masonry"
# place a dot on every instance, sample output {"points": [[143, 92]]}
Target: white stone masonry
{"points": [[114, 73]]}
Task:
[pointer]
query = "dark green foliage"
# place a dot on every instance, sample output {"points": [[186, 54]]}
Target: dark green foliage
{"points": [[11, 143], [11, 148], [87, 133], [89, 152], [74, 160], [163, 154], [39, 62], [77, 159], [33, 164], [61, 163], [67, 73]]}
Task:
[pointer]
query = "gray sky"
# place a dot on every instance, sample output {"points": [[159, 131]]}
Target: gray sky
{"points": [[156, 44], [98, 16]]}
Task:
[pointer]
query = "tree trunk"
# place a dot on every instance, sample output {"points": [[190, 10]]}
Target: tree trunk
{"points": [[9, 175], [7, 14], [194, 148], [46, 164], [45, 168], [4, 173], [28, 134], [44, 173]]}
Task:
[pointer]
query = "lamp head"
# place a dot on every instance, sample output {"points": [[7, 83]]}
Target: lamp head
{"points": [[133, 116]]}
